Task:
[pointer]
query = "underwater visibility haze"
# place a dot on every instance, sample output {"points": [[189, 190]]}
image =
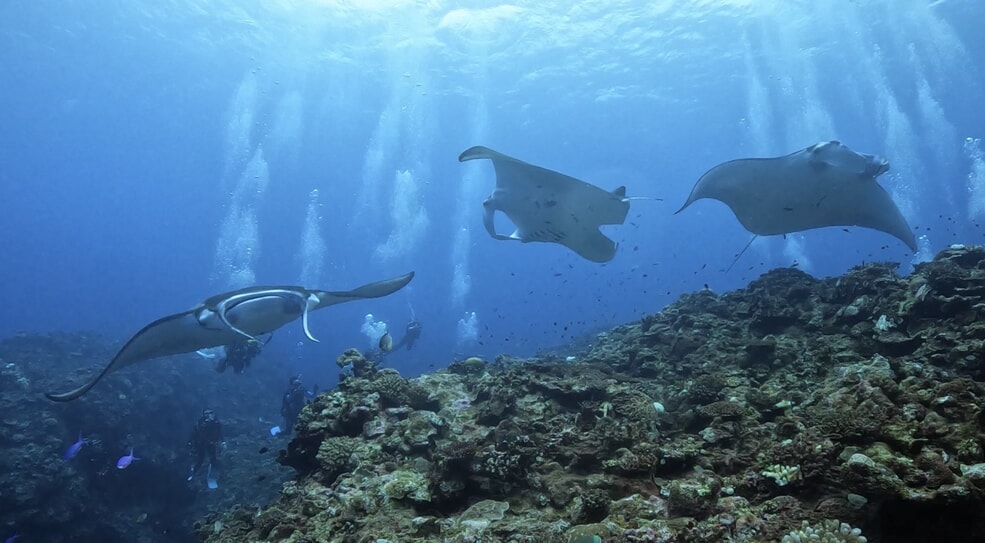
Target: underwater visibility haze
{"points": [[155, 155]]}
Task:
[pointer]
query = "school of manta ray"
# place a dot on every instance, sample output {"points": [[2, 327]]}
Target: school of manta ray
{"points": [[824, 185]]}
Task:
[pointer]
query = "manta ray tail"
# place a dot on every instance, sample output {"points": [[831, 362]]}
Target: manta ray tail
{"points": [[78, 392], [742, 252]]}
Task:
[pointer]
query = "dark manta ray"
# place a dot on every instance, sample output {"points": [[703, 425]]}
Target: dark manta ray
{"points": [[229, 317], [826, 184], [551, 207]]}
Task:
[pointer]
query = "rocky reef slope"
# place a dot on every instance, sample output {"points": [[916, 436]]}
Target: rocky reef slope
{"points": [[44, 497], [850, 408]]}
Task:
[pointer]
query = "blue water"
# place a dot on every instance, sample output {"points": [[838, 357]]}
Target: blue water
{"points": [[153, 154]]}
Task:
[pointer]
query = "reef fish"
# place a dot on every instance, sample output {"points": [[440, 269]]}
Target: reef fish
{"points": [[74, 449], [125, 460], [386, 342]]}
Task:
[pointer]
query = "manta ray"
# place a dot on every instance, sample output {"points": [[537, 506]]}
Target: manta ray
{"points": [[826, 184], [551, 207], [227, 318]]}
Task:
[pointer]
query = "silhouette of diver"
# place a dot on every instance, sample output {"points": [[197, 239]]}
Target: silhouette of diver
{"points": [[293, 401], [205, 440], [412, 332], [239, 355]]}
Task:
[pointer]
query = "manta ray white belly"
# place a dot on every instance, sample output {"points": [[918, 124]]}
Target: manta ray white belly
{"points": [[252, 315]]}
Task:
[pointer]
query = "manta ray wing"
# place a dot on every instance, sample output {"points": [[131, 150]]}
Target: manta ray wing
{"points": [[378, 289], [224, 319], [174, 334], [549, 206], [826, 184]]}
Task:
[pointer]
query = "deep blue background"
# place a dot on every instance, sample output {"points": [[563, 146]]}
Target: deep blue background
{"points": [[119, 161]]}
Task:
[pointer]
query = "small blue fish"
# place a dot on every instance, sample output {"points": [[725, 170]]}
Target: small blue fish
{"points": [[125, 460], [72, 451], [12, 538]]}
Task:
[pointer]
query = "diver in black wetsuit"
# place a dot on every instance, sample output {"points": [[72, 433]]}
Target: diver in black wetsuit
{"points": [[412, 332], [205, 440], [293, 402], [239, 355]]}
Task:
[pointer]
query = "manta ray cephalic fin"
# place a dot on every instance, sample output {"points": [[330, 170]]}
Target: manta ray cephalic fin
{"points": [[221, 313], [310, 301]]}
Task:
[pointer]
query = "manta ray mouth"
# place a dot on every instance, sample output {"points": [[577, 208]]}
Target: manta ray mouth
{"points": [[224, 307], [877, 166], [309, 302]]}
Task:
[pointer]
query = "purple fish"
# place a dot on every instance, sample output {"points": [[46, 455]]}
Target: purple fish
{"points": [[72, 451], [12, 538], [125, 460]]}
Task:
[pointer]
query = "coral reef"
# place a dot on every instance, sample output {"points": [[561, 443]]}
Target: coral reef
{"points": [[847, 409], [44, 497], [797, 409]]}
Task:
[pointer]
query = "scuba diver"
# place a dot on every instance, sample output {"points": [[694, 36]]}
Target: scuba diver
{"points": [[292, 403], [412, 332], [385, 346], [240, 354], [206, 439]]}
